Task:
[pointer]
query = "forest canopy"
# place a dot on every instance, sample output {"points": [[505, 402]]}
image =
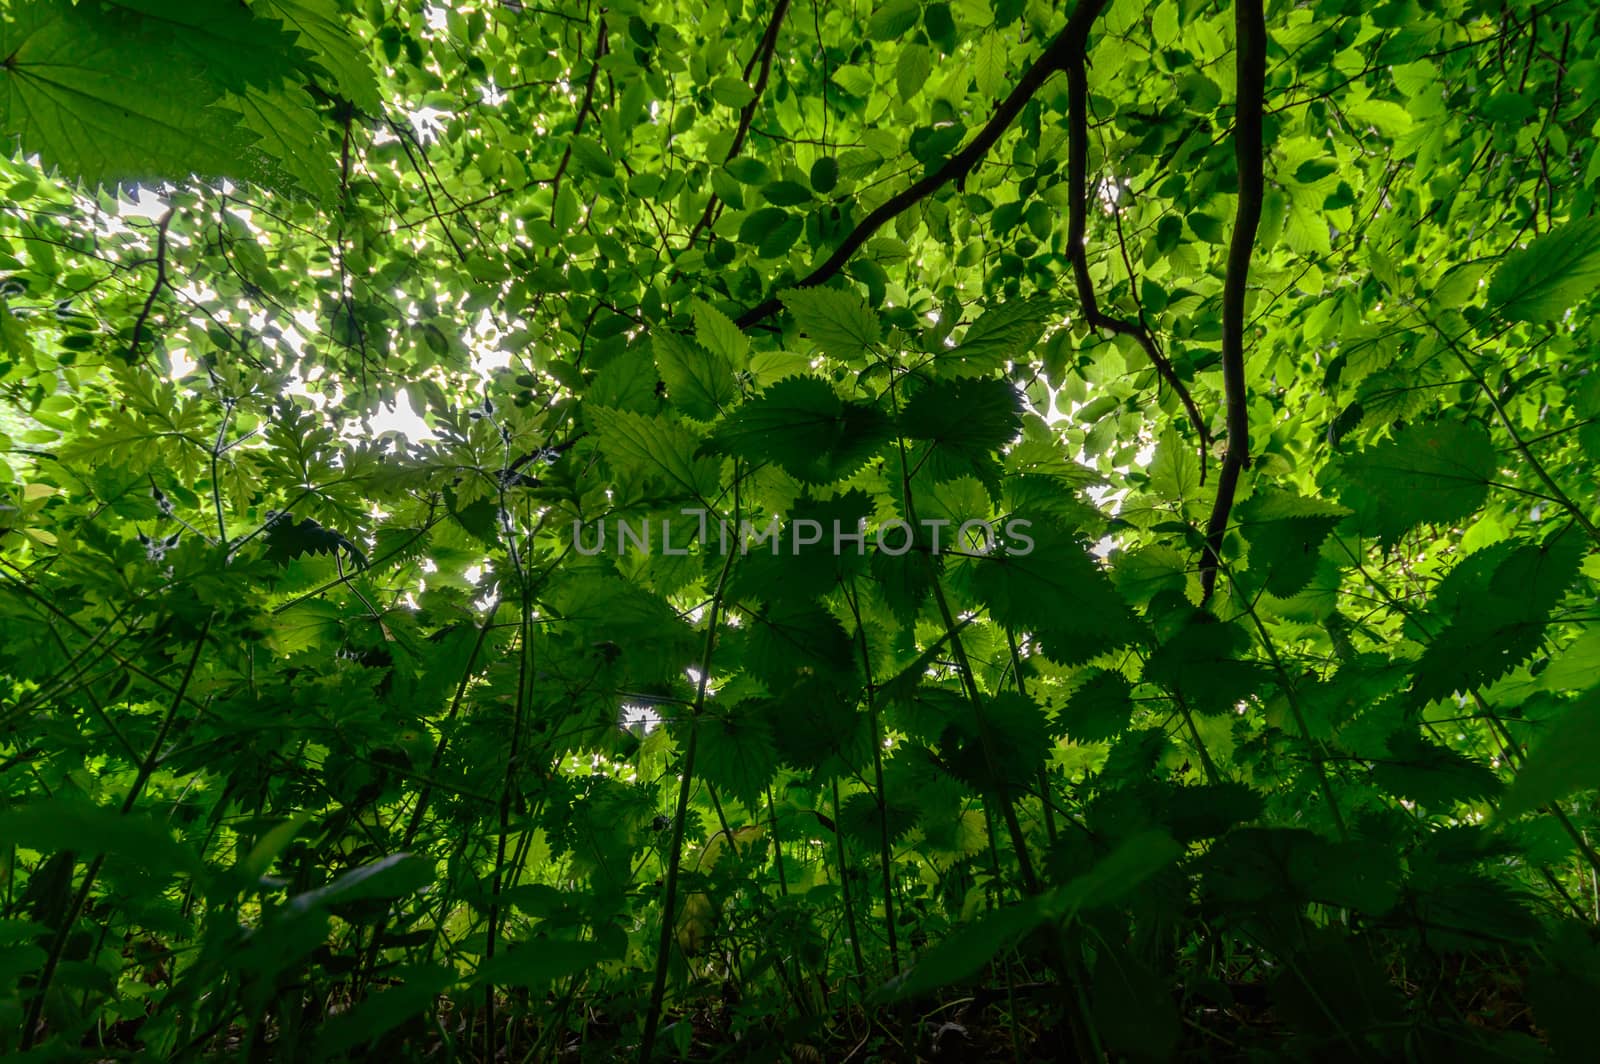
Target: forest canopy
{"points": [[803, 530]]}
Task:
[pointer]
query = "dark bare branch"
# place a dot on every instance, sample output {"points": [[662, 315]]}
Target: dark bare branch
{"points": [[1251, 28]]}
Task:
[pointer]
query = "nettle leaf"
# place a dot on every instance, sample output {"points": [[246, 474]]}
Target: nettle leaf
{"points": [[1057, 592], [61, 824], [802, 425], [1539, 282], [796, 637], [1431, 472], [1432, 775], [717, 333], [1562, 762], [1285, 532], [95, 92], [735, 751], [239, 49], [651, 444], [839, 322], [1098, 709], [699, 382], [540, 962], [1204, 663], [1019, 740], [1002, 334], [961, 423], [1497, 604], [323, 32]]}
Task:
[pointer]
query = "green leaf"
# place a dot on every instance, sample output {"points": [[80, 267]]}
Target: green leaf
{"points": [[911, 70], [1497, 604], [60, 824], [1057, 592], [341, 53], [387, 877], [1539, 282], [718, 333], [839, 322], [786, 193], [96, 93], [989, 66], [893, 19], [732, 92], [1098, 709], [1004, 333], [536, 964], [1432, 775], [1432, 472], [962, 423], [418, 991], [1286, 532], [735, 752], [964, 953], [698, 382], [1562, 761], [590, 157], [636, 441], [802, 425]]}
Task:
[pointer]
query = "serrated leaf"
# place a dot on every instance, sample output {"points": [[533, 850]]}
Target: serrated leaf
{"points": [[1003, 333], [1562, 761], [323, 32], [989, 65], [1433, 775], [1098, 709], [1056, 592], [1539, 282], [93, 92], [1285, 532], [893, 19], [699, 382], [637, 441], [839, 322], [1430, 472], [801, 424], [911, 70], [736, 753], [717, 332]]}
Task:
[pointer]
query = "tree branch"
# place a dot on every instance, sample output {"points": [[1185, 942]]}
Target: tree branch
{"points": [[583, 115], [155, 289], [1057, 55], [763, 52], [1251, 77], [1077, 227]]}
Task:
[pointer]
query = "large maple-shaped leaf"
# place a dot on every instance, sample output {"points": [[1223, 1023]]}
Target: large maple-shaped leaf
{"points": [[322, 31], [239, 50]]}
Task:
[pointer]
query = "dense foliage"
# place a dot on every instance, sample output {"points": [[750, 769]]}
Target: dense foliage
{"points": [[332, 333]]}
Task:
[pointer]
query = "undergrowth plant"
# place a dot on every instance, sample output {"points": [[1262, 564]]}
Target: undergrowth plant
{"points": [[799, 531]]}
